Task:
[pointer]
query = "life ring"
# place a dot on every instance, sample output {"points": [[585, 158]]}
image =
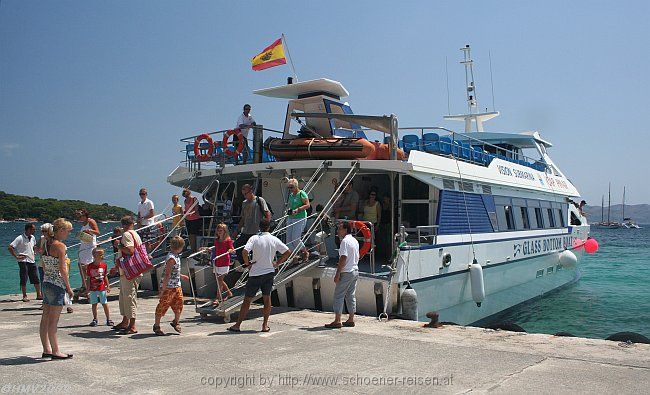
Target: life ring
{"points": [[360, 226], [240, 144], [197, 151]]}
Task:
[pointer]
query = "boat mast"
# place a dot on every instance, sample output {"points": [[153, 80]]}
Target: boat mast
{"points": [[602, 208], [609, 200]]}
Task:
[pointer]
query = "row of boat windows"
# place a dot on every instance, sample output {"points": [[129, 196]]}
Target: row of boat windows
{"points": [[540, 220]]}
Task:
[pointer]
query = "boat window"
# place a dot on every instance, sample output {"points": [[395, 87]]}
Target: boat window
{"points": [[559, 211], [551, 218], [414, 189], [510, 222], [524, 217], [415, 214], [538, 218]]}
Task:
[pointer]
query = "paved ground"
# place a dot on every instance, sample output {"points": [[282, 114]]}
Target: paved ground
{"points": [[298, 355]]}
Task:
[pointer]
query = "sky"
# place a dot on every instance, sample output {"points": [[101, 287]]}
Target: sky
{"points": [[95, 95]]}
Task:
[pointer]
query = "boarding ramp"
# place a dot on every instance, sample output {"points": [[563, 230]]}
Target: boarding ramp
{"points": [[288, 270]]}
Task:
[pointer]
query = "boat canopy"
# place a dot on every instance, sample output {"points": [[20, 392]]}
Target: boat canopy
{"points": [[321, 96]]}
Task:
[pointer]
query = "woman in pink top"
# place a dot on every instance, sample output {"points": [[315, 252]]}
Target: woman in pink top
{"points": [[193, 221], [223, 247]]}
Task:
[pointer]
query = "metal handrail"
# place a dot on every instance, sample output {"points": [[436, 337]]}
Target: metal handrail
{"points": [[420, 230]]}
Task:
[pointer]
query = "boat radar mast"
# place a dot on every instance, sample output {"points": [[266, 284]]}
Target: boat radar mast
{"points": [[472, 101]]}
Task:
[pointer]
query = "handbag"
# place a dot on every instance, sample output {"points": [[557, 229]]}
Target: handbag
{"points": [[136, 264]]}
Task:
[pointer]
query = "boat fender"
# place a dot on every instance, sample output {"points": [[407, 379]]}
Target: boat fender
{"points": [[591, 246], [367, 238], [197, 147], [476, 280], [409, 300], [568, 259], [240, 142], [628, 337]]}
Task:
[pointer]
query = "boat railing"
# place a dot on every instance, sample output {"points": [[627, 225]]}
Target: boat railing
{"points": [[427, 234], [463, 147], [221, 154]]}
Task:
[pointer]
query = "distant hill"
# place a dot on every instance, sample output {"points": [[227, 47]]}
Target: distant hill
{"points": [[640, 213], [47, 210]]}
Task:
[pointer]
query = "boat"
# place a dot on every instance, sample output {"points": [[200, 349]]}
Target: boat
{"points": [[627, 222], [608, 224], [477, 221]]}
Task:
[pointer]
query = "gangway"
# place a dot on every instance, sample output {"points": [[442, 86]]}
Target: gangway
{"points": [[287, 271]]}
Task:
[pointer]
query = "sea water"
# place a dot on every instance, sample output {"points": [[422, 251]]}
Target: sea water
{"points": [[611, 296]]}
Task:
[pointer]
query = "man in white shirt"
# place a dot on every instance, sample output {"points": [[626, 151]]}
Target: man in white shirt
{"points": [[22, 248], [145, 209], [347, 273], [244, 123], [264, 247]]}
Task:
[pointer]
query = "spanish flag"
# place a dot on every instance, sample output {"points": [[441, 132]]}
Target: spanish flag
{"points": [[273, 55]]}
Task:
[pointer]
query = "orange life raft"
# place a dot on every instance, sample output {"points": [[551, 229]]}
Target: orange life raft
{"points": [[320, 148]]}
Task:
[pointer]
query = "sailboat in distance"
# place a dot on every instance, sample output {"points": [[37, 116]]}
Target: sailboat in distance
{"points": [[609, 224], [628, 223]]}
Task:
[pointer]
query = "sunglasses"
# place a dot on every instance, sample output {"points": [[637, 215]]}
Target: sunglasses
{"points": [[143, 194]]}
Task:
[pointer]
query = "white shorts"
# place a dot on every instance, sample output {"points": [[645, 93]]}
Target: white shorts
{"points": [[220, 270]]}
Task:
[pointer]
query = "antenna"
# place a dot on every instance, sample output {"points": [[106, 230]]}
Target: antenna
{"points": [[491, 80], [447, 75], [469, 79]]}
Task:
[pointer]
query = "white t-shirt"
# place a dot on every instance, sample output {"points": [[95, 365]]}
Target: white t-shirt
{"points": [[24, 245], [143, 210], [264, 246], [350, 249], [245, 120]]}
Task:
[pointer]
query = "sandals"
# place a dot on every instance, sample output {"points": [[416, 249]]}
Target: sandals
{"points": [[333, 326], [93, 323], [268, 329], [176, 326], [128, 331], [110, 323], [349, 324], [233, 329], [55, 357], [46, 355], [158, 331], [25, 299]]}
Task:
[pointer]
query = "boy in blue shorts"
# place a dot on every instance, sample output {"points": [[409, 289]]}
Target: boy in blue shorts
{"points": [[97, 273]]}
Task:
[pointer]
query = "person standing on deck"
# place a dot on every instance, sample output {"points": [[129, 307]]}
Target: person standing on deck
{"points": [[22, 248], [264, 247], [297, 217], [193, 221], [347, 273], [253, 209], [145, 214], [88, 238], [177, 212], [346, 206], [244, 123]]}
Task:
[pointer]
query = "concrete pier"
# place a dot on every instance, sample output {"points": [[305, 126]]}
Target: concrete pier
{"points": [[300, 355]]}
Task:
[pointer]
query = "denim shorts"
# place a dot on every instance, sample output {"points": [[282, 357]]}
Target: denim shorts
{"points": [[53, 295], [97, 297]]}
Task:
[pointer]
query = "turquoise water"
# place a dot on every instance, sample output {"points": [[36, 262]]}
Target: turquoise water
{"points": [[9, 280], [611, 296]]}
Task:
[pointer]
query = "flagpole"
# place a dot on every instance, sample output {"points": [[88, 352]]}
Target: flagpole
{"points": [[284, 41]]}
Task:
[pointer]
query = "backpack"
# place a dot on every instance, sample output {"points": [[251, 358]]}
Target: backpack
{"points": [[273, 223]]}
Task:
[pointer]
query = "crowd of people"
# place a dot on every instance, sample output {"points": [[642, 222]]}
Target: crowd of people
{"points": [[51, 275]]}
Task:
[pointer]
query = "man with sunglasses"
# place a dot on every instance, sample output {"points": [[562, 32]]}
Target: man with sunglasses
{"points": [[244, 123], [253, 209]]}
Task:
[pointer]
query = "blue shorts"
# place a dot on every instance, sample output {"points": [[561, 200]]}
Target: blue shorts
{"points": [[97, 297], [53, 295]]}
